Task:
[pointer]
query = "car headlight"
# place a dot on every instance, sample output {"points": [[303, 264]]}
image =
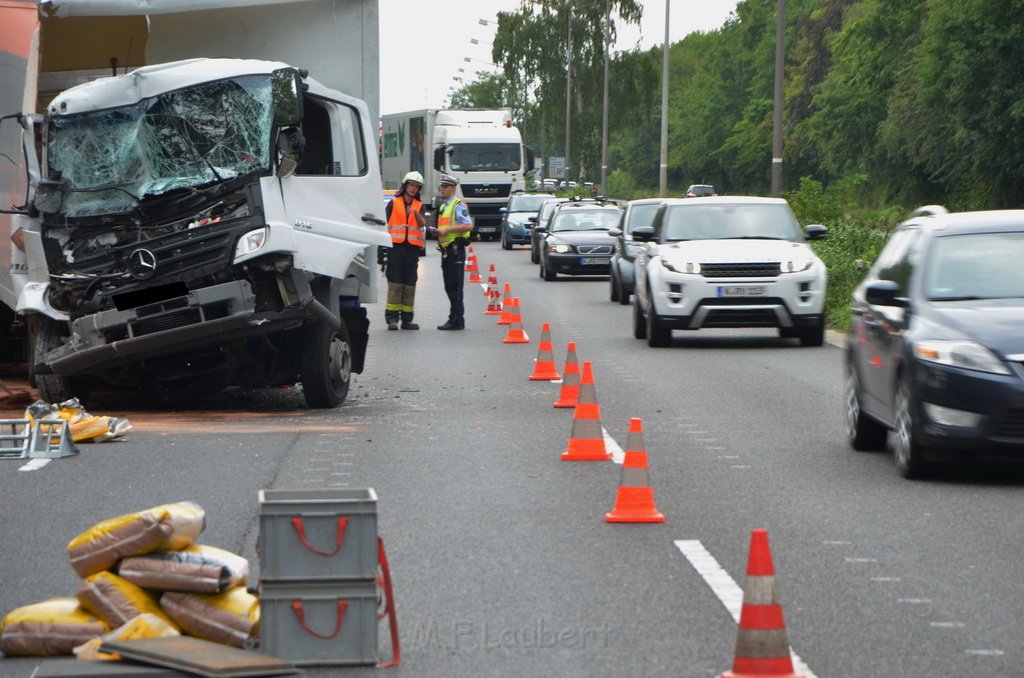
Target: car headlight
{"points": [[559, 248], [691, 267], [251, 242], [969, 355], [797, 264]]}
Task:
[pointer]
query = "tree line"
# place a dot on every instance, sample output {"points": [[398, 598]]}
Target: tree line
{"points": [[912, 101]]}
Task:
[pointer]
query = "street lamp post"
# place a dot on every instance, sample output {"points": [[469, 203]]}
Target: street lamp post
{"points": [[663, 167], [780, 38], [604, 114], [568, 97]]}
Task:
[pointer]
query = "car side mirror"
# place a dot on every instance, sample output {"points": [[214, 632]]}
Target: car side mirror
{"points": [[541, 228], [503, 210], [816, 232], [885, 293], [533, 219], [643, 233], [615, 232]]}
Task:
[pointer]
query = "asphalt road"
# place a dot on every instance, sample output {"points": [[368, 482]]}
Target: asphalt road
{"points": [[503, 563]]}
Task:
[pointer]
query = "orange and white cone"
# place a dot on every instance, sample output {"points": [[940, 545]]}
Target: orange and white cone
{"points": [[544, 368], [570, 391], [493, 301], [762, 647], [516, 334], [473, 269], [492, 278], [506, 307], [586, 443], [634, 500]]}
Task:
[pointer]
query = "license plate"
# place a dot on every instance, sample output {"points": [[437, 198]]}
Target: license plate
{"points": [[586, 261], [751, 291]]}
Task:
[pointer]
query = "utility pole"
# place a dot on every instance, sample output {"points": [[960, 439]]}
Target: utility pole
{"points": [[663, 169], [604, 117], [780, 39], [568, 94]]}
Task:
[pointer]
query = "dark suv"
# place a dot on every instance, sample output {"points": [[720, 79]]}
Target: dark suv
{"points": [[516, 225], [638, 213], [576, 240]]}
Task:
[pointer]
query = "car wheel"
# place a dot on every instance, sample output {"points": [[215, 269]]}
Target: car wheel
{"points": [[864, 433], [546, 272], [534, 255], [613, 288], [658, 336], [326, 365], [639, 322], [813, 336], [505, 244], [908, 453], [623, 294]]}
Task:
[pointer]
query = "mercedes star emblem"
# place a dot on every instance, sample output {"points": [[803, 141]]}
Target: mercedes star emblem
{"points": [[142, 264]]}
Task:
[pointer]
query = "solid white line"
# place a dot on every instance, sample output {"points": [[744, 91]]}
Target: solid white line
{"points": [[724, 588], [618, 455], [35, 465]]}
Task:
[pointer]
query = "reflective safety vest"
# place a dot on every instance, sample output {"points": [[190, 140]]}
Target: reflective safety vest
{"points": [[402, 225], [446, 217]]}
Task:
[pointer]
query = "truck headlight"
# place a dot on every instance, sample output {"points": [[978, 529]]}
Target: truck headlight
{"points": [[251, 242]]}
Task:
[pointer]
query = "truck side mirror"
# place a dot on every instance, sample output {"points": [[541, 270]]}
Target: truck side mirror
{"points": [[439, 158], [286, 89], [290, 145], [530, 158]]}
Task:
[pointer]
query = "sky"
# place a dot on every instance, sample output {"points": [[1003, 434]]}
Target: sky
{"points": [[421, 52]]}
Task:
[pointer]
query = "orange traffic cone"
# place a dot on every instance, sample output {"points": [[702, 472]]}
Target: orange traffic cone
{"points": [[506, 307], [544, 367], [634, 501], [516, 334], [473, 270], [492, 278], [494, 301], [587, 440], [570, 391], [762, 647]]}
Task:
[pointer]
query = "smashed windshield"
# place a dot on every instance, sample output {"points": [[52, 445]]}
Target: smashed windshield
{"points": [[108, 160], [485, 157]]}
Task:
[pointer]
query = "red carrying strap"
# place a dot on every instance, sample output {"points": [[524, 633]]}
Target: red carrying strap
{"points": [[301, 530], [301, 616], [389, 609]]}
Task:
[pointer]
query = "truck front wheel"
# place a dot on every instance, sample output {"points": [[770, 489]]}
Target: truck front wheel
{"points": [[53, 388], [326, 365]]}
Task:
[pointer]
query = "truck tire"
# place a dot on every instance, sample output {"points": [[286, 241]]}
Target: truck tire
{"points": [[53, 388], [326, 365]]}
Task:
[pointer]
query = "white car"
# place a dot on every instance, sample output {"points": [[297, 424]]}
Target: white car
{"points": [[728, 262]]}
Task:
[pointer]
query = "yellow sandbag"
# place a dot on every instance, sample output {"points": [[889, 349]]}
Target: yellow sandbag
{"points": [[231, 618], [195, 569], [146, 625], [52, 627], [170, 527], [116, 600]]}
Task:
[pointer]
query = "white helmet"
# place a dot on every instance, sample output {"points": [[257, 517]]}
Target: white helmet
{"points": [[414, 177]]}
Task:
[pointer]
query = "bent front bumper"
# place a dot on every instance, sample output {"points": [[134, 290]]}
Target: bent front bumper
{"points": [[205, 317]]}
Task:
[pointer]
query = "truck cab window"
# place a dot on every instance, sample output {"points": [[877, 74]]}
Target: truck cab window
{"points": [[333, 140]]}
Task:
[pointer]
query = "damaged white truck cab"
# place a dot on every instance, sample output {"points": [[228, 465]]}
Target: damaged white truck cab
{"points": [[199, 224]]}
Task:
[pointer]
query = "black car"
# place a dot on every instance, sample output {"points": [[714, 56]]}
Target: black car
{"points": [[936, 345], [576, 240], [516, 226], [542, 219], [637, 213]]}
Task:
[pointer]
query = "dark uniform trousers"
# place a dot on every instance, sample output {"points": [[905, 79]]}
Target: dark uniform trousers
{"points": [[401, 272], [453, 270]]}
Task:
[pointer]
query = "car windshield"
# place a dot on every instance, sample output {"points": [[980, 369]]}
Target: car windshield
{"points": [[975, 266], [527, 203], [484, 157], [737, 220], [108, 160], [585, 220], [640, 215]]}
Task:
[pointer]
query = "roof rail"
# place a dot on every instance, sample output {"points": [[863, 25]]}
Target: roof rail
{"points": [[929, 211]]}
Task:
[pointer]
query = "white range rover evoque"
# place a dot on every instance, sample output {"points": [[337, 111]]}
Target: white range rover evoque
{"points": [[728, 261]]}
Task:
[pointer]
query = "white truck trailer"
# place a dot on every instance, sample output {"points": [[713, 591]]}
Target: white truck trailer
{"points": [[195, 223], [480, 147]]}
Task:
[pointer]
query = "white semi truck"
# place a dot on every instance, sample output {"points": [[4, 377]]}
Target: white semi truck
{"points": [[196, 223], [480, 147]]}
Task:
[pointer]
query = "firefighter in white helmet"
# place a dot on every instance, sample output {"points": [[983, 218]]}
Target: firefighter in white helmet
{"points": [[408, 242]]}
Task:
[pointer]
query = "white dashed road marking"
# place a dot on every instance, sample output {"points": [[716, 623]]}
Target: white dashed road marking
{"points": [[34, 465]]}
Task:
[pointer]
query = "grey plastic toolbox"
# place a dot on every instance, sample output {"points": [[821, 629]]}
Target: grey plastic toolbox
{"points": [[318, 535], [325, 623]]}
